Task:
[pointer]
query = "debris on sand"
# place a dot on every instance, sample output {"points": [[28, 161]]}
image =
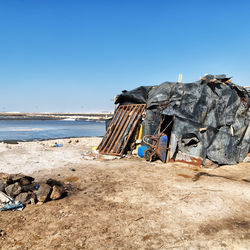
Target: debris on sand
{"points": [[17, 190]]}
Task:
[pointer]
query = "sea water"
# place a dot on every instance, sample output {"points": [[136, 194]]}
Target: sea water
{"points": [[29, 130]]}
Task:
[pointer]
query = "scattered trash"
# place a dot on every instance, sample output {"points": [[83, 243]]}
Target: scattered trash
{"points": [[111, 157], [57, 145], [88, 155], [7, 203], [2, 233]]}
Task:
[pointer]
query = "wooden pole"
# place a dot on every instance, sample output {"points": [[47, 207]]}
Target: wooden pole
{"points": [[180, 78]]}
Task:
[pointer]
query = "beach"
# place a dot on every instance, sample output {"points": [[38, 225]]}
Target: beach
{"points": [[115, 133], [125, 203]]}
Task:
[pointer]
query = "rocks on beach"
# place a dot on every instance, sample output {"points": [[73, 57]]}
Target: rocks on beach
{"points": [[25, 189]]}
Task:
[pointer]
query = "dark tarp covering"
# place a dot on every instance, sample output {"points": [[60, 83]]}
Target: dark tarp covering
{"points": [[211, 116], [135, 96]]}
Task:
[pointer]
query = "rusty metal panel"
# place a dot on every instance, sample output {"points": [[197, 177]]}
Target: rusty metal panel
{"points": [[185, 158], [121, 129]]}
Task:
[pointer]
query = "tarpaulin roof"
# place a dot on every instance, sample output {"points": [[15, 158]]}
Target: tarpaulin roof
{"points": [[135, 96]]}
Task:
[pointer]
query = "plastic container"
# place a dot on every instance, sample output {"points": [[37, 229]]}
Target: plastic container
{"points": [[141, 150], [162, 148]]}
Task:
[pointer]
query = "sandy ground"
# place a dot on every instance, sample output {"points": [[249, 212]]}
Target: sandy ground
{"points": [[29, 157], [126, 203]]}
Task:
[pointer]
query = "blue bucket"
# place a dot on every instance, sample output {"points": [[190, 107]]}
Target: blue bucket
{"points": [[141, 149]]}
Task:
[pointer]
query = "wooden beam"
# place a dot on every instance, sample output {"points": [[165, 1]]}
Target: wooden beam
{"points": [[180, 78]]}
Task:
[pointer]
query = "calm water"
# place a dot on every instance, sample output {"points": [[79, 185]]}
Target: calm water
{"points": [[26, 130]]}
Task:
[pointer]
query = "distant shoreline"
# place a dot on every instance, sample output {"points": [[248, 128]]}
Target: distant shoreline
{"points": [[47, 139], [56, 116]]}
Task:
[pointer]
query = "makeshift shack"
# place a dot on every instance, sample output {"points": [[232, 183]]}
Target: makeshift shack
{"points": [[208, 118]]}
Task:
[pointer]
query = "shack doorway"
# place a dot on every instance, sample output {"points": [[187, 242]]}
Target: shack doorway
{"points": [[167, 122]]}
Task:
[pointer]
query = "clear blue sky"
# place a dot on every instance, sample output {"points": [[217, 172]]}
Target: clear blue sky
{"points": [[74, 55]]}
